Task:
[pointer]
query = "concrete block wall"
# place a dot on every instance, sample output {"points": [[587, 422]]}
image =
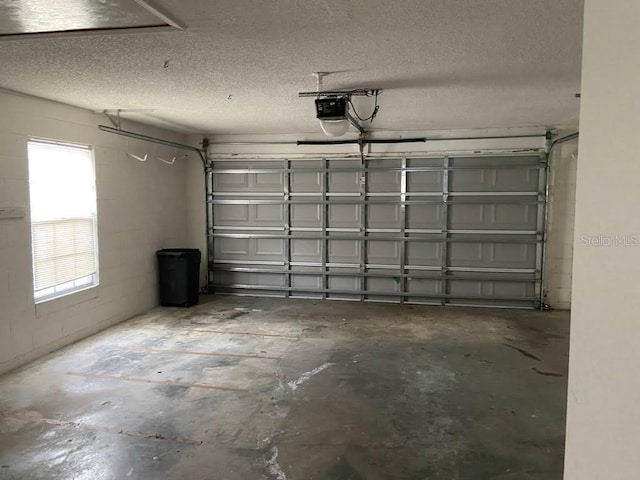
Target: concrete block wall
{"points": [[141, 208], [559, 248], [196, 213]]}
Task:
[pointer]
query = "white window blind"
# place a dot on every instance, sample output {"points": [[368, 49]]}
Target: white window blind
{"points": [[63, 218]]}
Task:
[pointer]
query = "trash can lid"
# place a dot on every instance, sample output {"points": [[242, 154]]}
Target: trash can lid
{"points": [[176, 252]]}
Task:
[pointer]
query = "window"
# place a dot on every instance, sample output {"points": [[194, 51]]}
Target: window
{"points": [[63, 219]]}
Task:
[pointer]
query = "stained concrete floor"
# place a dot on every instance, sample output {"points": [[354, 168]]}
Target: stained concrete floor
{"points": [[272, 389]]}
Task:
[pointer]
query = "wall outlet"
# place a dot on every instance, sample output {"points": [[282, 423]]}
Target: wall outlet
{"points": [[12, 211]]}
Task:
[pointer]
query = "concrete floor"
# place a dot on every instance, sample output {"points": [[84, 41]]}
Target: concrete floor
{"points": [[248, 388]]}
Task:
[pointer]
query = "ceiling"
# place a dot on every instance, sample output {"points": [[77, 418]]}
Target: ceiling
{"points": [[238, 66]]}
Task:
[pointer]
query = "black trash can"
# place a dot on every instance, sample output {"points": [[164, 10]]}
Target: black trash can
{"points": [[178, 276]]}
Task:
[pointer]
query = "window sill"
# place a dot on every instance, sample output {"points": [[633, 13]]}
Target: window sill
{"points": [[66, 300]]}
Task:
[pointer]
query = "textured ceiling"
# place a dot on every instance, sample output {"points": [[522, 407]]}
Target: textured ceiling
{"points": [[240, 64]]}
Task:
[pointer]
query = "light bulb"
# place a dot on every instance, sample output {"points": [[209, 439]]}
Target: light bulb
{"points": [[334, 128]]}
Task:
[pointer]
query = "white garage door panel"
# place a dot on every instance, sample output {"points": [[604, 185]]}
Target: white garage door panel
{"points": [[382, 252], [386, 217], [306, 281], [497, 179], [485, 216], [384, 181], [424, 181], [425, 254], [377, 284], [231, 214], [306, 216], [424, 287], [344, 216], [306, 251], [344, 251], [424, 217], [493, 255], [448, 230], [343, 181]]}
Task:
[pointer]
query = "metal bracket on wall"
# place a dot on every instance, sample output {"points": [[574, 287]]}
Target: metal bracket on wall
{"points": [[114, 119], [158, 141]]}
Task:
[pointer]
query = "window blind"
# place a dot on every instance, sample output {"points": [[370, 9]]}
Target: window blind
{"points": [[63, 250]]}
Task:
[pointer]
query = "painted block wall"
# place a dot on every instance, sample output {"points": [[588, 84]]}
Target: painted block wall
{"points": [[195, 200], [141, 208], [562, 191], [559, 248], [603, 416]]}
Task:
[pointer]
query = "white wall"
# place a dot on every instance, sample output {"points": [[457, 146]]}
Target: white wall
{"points": [[559, 248], [560, 229], [196, 213], [603, 423], [141, 208]]}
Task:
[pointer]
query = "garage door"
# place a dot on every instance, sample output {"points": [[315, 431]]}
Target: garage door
{"points": [[447, 230]]}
